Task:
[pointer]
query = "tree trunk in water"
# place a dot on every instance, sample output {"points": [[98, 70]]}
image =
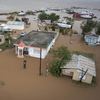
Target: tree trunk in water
{"points": [[83, 75]]}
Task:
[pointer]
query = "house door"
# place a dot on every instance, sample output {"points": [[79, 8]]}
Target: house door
{"points": [[25, 51]]}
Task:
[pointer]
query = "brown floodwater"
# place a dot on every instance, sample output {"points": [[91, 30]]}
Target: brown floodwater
{"points": [[26, 84]]}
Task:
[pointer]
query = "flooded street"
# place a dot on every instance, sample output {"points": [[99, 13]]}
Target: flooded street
{"points": [[26, 84], [14, 5]]}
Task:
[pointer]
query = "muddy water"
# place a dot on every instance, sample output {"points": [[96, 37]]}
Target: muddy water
{"points": [[14, 5], [26, 84]]}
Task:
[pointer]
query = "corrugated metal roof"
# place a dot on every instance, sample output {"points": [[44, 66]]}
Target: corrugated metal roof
{"points": [[15, 23], [80, 62]]}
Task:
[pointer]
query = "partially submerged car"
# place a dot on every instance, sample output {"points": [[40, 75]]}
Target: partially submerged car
{"points": [[23, 34]]}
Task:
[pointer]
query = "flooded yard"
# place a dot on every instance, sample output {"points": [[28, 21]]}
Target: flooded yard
{"points": [[26, 83]]}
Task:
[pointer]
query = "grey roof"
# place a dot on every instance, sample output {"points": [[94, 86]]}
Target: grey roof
{"points": [[37, 39], [15, 23], [78, 62]]}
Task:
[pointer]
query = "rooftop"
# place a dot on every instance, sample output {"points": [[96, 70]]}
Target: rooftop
{"points": [[15, 23], [80, 62], [37, 39]]}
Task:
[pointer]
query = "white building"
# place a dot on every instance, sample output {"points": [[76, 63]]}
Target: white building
{"points": [[15, 25], [31, 43], [4, 27]]}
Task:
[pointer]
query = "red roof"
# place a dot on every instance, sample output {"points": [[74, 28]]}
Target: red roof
{"points": [[21, 44], [65, 17]]}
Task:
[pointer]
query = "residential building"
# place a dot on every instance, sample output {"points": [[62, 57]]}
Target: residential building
{"points": [[78, 66], [31, 43], [16, 25]]}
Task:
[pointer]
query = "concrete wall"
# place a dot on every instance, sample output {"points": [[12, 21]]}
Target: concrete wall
{"points": [[52, 43], [87, 80], [69, 70], [2, 39], [37, 55], [75, 75], [49, 30]]}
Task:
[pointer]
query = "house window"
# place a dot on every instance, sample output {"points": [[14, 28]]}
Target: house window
{"points": [[67, 72], [25, 49], [36, 51], [80, 75], [0, 40]]}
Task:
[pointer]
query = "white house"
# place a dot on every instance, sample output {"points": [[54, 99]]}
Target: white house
{"points": [[31, 43], [15, 25]]}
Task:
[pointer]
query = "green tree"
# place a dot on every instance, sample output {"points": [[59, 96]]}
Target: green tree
{"points": [[53, 17], [43, 16], [61, 57], [17, 19], [98, 29], [88, 26], [61, 29], [53, 27]]}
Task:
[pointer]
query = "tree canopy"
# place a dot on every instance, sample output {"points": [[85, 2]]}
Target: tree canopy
{"points": [[98, 29], [88, 26], [42, 16], [61, 57], [17, 19], [53, 17]]}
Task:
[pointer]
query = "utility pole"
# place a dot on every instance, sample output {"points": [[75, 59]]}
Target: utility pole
{"points": [[40, 61]]}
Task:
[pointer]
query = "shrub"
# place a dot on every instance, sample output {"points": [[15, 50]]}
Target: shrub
{"points": [[17, 19]]}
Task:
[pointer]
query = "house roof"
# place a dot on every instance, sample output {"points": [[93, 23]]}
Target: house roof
{"points": [[21, 44], [65, 17], [37, 39], [15, 23], [91, 34], [80, 62]]}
